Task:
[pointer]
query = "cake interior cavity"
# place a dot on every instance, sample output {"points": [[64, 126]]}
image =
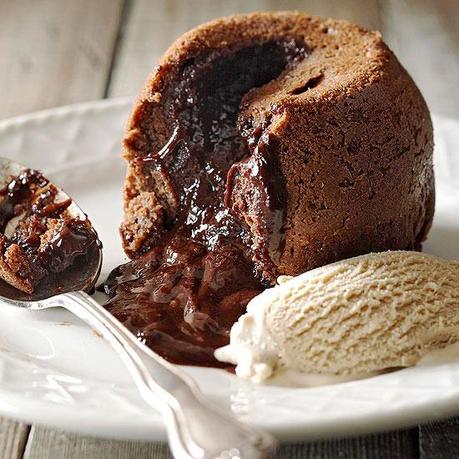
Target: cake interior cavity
{"points": [[217, 208]]}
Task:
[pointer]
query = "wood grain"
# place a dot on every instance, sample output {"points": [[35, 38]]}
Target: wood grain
{"points": [[50, 444], [13, 438], [54, 52], [439, 440], [425, 35], [394, 445]]}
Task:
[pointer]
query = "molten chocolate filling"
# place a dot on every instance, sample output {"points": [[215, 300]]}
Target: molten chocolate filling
{"points": [[216, 251], [46, 239]]}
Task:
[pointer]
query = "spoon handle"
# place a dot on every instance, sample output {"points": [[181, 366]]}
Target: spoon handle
{"points": [[196, 429]]}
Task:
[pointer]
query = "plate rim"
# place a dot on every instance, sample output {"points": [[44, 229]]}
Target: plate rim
{"points": [[77, 423]]}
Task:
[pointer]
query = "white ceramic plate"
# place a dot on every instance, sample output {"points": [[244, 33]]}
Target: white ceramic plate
{"points": [[56, 371]]}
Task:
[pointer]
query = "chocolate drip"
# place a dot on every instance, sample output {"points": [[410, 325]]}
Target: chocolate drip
{"points": [[256, 194], [206, 261]]}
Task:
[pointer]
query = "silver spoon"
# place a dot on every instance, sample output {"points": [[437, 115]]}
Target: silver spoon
{"points": [[196, 428]]}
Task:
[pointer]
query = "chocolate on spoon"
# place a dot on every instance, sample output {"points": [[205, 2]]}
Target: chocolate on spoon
{"points": [[47, 244]]}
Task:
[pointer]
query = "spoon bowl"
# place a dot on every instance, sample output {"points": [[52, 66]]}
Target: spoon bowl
{"points": [[81, 275]]}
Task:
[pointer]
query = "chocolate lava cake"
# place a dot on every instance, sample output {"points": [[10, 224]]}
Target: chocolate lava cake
{"points": [[261, 145]]}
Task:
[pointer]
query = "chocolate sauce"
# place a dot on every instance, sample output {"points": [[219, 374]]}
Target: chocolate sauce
{"points": [[17, 193], [207, 260], [45, 239]]}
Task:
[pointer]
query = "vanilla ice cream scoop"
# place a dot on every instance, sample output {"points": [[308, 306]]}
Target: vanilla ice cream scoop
{"points": [[352, 318]]}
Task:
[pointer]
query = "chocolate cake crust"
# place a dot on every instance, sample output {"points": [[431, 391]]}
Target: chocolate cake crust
{"points": [[349, 128]]}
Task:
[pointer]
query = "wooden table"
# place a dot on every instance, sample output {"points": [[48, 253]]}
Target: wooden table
{"points": [[55, 52]]}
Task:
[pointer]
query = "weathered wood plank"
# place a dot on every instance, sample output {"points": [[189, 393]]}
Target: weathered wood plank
{"points": [[54, 52], [51, 444], [439, 440], [425, 35], [152, 26], [396, 445], [13, 438]]}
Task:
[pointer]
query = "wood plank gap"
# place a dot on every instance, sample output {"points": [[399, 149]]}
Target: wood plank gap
{"points": [[381, 6], [416, 441], [124, 17], [24, 439], [13, 438]]}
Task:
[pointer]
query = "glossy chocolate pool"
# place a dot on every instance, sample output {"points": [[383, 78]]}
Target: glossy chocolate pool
{"points": [[215, 253]]}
